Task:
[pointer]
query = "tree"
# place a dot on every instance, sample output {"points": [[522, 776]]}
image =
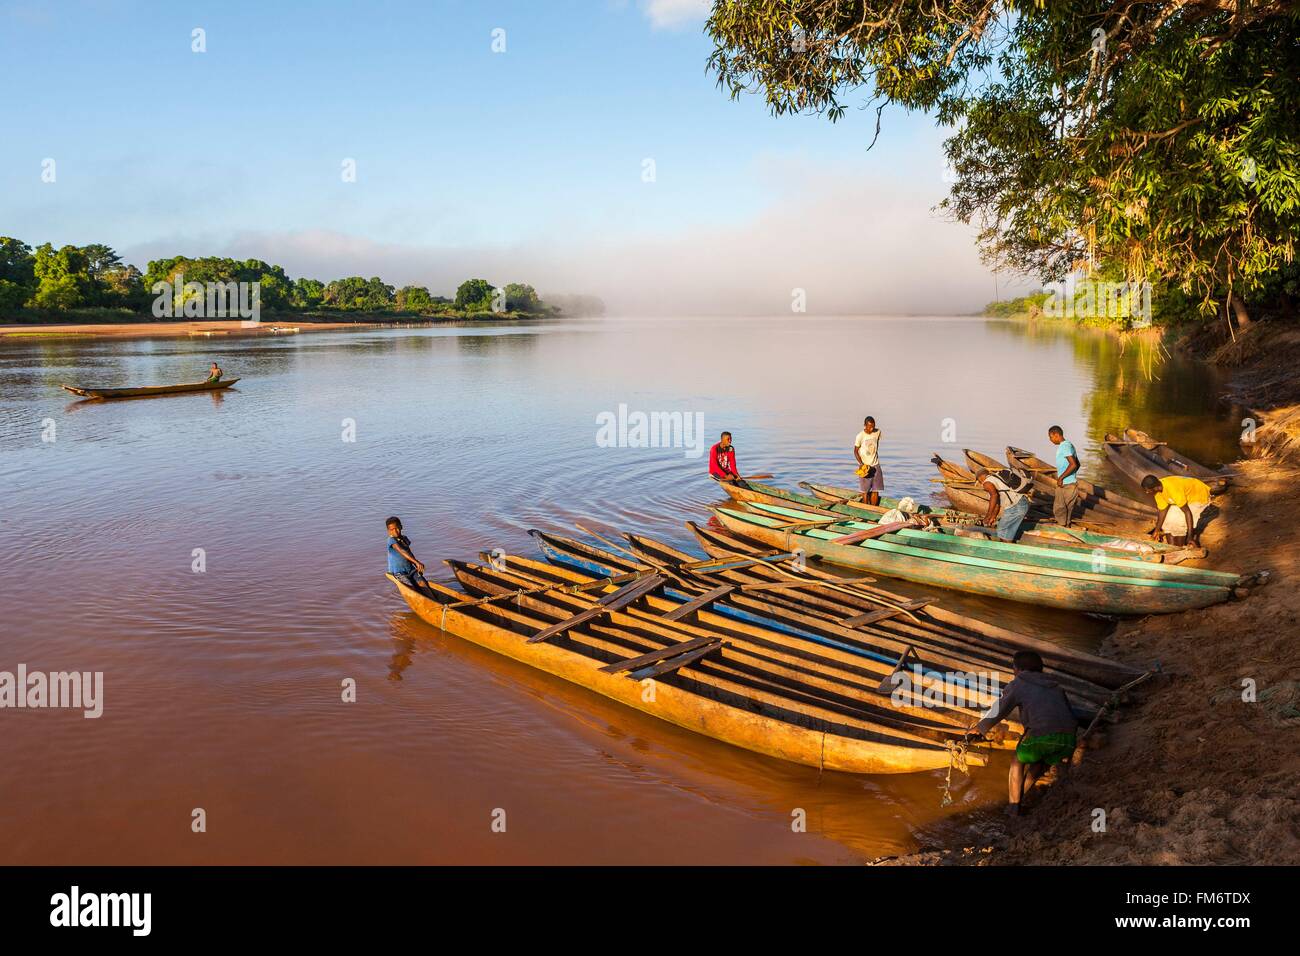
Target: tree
{"points": [[522, 298], [474, 295], [100, 259], [413, 298], [62, 277], [17, 274], [308, 293], [1160, 137]]}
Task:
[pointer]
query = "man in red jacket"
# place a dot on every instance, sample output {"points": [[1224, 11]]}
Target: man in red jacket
{"points": [[722, 460]]}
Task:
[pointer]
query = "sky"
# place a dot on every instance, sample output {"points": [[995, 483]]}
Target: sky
{"points": [[577, 145]]}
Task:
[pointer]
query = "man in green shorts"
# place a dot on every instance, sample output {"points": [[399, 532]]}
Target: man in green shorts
{"points": [[1049, 723]]}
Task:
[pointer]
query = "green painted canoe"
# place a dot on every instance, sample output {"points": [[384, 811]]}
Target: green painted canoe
{"points": [[905, 557], [1036, 534]]}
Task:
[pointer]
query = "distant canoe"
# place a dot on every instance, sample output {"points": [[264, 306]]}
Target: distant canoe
{"points": [[1136, 455], [149, 390]]}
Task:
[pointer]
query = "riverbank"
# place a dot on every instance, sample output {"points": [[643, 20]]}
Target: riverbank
{"points": [[279, 325], [1192, 773]]}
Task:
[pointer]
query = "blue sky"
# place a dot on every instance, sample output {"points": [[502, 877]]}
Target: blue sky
{"points": [[527, 159]]}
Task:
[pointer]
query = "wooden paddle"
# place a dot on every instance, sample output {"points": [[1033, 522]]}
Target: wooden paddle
{"points": [[869, 533]]}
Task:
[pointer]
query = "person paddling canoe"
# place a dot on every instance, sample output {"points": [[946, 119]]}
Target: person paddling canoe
{"points": [[1050, 725], [1179, 504], [1067, 476], [866, 449], [402, 563], [1008, 506], [215, 373], [722, 460]]}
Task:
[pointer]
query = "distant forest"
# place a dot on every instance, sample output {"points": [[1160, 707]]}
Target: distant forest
{"points": [[57, 283]]}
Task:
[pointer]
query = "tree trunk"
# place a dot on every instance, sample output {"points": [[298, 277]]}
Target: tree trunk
{"points": [[1239, 310]]}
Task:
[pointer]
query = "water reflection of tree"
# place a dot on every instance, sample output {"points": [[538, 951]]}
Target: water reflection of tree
{"points": [[1136, 382]]}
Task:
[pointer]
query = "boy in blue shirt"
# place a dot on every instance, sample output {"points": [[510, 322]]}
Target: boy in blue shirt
{"points": [[402, 564], [1067, 477]]}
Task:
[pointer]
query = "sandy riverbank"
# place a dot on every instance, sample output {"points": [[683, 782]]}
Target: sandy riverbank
{"points": [[1192, 773]]}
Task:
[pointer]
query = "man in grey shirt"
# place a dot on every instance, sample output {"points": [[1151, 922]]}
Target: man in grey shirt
{"points": [[1049, 723]]}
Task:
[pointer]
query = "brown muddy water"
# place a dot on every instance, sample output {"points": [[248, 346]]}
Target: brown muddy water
{"points": [[222, 687]]}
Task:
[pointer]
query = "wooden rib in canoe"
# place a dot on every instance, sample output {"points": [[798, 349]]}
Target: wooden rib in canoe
{"points": [[694, 697], [1008, 579], [150, 390]]}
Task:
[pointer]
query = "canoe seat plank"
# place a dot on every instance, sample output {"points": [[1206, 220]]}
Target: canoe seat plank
{"points": [[703, 600], [673, 663], [884, 613], [610, 602], [672, 650], [887, 682]]}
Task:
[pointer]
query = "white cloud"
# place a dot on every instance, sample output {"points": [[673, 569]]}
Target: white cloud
{"points": [[666, 14]]}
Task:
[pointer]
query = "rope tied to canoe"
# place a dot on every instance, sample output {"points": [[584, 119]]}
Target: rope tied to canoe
{"points": [[957, 751]]}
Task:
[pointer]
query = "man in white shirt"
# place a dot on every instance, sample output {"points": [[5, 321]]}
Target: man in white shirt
{"points": [[866, 449]]}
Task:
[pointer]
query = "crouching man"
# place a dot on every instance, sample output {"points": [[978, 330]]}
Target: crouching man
{"points": [[1049, 723]]}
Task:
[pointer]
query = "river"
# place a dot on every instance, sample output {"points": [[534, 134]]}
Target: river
{"points": [[220, 558]]}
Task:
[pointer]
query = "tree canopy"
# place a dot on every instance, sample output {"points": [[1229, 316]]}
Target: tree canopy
{"points": [[1158, 136]]}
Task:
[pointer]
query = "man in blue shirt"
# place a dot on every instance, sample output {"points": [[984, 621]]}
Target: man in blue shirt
{"points": [[1067, 477], [402, 564]]}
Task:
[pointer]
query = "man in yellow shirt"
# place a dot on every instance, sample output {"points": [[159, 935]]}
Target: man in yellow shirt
{"points": [[1179, 503]]}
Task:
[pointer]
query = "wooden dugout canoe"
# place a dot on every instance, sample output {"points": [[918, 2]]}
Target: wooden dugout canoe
{"points": [[1009, 579], [992, 637], [937, 539], [943, 641], [1136, 455], [1034, 533], [815, 619], [1043, 472], [150, 390], [1088, 508], [715, 708], [770, 664]]}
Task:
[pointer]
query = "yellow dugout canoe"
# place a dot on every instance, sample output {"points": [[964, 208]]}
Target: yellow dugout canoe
{"points": [[686, 696]]}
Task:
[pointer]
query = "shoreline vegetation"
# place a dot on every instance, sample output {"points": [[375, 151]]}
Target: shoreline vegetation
{"points": [[91, 286]]}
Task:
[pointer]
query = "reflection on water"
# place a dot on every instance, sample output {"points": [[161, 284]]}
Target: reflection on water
{"points": [[223, 687]]}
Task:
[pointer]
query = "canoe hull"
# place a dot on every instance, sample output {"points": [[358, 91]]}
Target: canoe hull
{"points": [[149, 391], [694, 712], [1170, 461], [1024, 584]]}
